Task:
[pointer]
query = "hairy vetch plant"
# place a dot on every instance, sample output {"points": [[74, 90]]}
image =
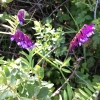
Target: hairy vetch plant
{"points": [[82, 36]]}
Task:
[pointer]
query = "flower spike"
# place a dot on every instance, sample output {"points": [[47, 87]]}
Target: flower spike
{"points": [[82, 36], [21, 16], [22, 40]]}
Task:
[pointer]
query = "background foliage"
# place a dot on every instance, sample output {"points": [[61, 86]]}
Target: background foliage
{"points": [[49, 71]]}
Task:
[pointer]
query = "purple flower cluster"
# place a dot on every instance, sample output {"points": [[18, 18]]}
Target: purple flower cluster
{"points": [[82, 36], [22, 40], [21, 16]]}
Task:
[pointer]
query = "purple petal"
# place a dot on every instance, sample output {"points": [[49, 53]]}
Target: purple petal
{"points": [[82, 40], [80, 43], [82, 36], [22, 40], [89, 34], [12, 38], [19, 43], [21, 16]]}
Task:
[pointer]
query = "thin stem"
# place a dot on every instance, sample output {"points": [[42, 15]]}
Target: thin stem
{"points": [[86, 83], [84, 52], [47, 54], [47, 60], [74, 54], [62, 74], [30, 18], [72, 18], [67, 55]]}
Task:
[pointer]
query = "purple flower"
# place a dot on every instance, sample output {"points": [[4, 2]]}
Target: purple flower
{"points": [[21, 16], [82, 36], [22, 40]]}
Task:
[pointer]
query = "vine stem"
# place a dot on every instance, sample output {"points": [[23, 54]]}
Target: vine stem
{"points": [[43, 57], [46, 55], [72, 18], [30, 18], [62, 74]]}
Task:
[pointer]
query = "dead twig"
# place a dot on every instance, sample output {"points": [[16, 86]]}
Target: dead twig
{"points": [[73, 73]]}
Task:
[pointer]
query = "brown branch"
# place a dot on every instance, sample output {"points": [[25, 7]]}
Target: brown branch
{"points": [[73, 73]]}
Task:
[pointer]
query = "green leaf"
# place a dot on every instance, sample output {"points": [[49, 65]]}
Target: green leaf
{"points": [[59, 13], [65, 70], [83, 93], [1, 58], [36, 90], [3, 78], [36, 23], [11, 23], [4, 16], [7, 72], [58, 62], [30, 89], [14, 71], [88, 91], [60, 97], [91, 88], [2, 61], [66, 62], [5, 32], [92, 60], [96, 40], [97, 86], [17, 61], [60, 19], [13, 80], [6, 26], [13, 18], [65, 17], [25, 61], [46, 98], [6, 1], [43, 92], [30, 59], [5, 94], [64, 95], [25, 98], [25, 54], [88, 17], [69, 92], [47, 20], [41, 73]]}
